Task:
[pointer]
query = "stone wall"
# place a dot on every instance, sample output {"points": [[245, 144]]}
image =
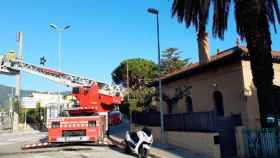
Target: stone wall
{"points": [[200, 142]]}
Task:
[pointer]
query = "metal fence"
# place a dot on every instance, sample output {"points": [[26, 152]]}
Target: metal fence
{"points": [[146, 118], [197, 121], [262, 143]]}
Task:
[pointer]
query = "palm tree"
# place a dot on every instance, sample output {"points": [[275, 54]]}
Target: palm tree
{"points": [[253, 18], [195, 12]]}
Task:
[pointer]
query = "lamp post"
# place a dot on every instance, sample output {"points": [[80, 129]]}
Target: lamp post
{"points": [[60, 31], [156, 12]]}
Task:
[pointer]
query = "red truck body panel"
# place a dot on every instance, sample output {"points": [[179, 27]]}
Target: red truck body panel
{"points": [[75, 129]]}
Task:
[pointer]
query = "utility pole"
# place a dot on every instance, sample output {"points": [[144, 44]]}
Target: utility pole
{"points": [[25, 112], [11, 112], [18, 83], [127, 80]]}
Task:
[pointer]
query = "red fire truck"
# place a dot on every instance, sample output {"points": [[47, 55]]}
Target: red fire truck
{"points": [[89, 118], [88, 113]]}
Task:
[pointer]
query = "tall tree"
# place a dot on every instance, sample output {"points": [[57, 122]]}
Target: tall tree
{"points": [[195, 12], [136, 71], [172, 61], [253, 18]]}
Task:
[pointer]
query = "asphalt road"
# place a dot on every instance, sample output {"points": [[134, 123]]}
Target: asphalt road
{"points": [[10, 147], [120, 129]]}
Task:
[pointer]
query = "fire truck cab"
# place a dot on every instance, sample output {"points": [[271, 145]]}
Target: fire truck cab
{"points": [[76, 129]]}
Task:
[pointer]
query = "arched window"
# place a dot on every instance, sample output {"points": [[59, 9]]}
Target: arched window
{"points": [[189, 104], [169, 109], [219, 104]]}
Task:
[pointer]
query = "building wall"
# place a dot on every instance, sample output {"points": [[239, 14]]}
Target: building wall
{"points": [[199, 142], [250, 111], [235, 83], [226, 79], [240, 141], [276, 67], [250, 99]]}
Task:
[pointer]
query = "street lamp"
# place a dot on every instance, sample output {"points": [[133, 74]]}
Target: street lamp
{"points": [[156, 12], [153, 11], [60, 30]]}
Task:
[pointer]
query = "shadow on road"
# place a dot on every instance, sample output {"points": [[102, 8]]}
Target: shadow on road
{"points": [[121, 150], [45, 150]]}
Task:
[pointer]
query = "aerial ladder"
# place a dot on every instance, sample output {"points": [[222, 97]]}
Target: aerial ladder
{"points": [[88, 114]]}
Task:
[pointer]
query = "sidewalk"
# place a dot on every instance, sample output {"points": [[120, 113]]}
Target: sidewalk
{"points": [[164, 150]]}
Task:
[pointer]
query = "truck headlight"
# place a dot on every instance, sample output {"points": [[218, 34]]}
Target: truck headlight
{"points": [[92, 123], [55, 124]]}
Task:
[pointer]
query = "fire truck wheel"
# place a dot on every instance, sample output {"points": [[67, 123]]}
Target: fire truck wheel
{"points": [[126, 149]]}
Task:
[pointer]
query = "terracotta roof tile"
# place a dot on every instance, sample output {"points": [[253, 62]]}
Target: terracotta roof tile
{"points": [[232, 52]]}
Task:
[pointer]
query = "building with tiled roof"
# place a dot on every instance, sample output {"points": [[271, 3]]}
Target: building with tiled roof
{"points": [[223, 84]]}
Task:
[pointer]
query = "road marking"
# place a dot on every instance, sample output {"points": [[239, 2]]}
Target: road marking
{"points": [[7, 143], [13, 138], [41, 156]]}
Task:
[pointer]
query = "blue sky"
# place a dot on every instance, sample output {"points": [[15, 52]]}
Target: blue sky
{"points": [[102, 34]]}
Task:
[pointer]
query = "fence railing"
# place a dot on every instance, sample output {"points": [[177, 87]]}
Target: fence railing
{"points": [[146, 119], [201, 121], [197, 121], [262, 143]]}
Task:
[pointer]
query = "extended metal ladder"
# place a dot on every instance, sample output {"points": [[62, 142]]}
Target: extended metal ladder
{"points": [[69, 80]]}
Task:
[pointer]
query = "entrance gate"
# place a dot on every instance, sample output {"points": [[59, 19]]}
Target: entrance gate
{"points": [[262, 143]]}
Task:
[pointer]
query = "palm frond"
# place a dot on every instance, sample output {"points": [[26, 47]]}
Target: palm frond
{"points": [[178, 9], [263, 8], [271, 9], [192, 12], [276, 9], [239, 8], [220, 17]]}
